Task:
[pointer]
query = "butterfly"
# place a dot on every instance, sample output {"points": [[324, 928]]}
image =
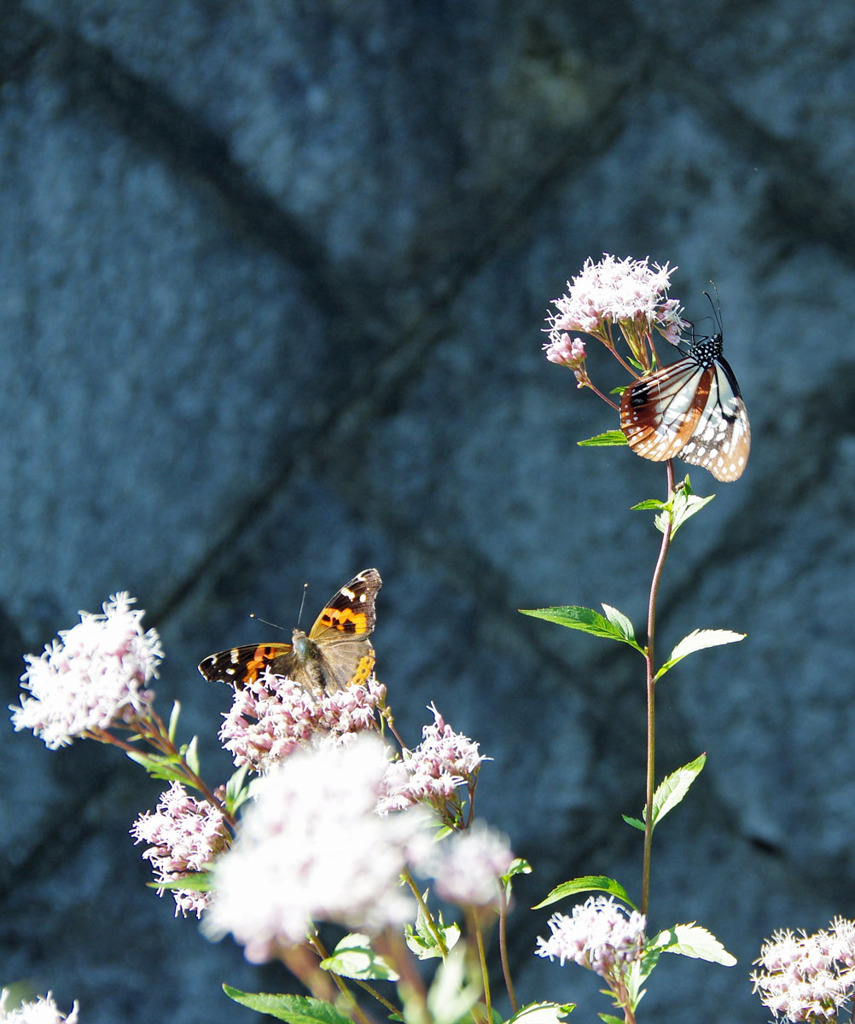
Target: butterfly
{"points": [[693, 409], [336, 652]]}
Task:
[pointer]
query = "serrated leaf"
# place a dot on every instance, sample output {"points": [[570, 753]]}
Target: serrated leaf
{"points": [[428, 948], [354, 958], [294, 1009], [648, 505], [682, 505], [674, 787], [587, 883], [609, 439], [661, 520], [699, 640], [693, 941], [623, 623], [423, 941], [541, 1013], [584, 619], [685, 507], [634, 822]]}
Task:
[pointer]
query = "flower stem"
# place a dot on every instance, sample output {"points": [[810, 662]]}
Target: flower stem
{"points": [[411, 987], [475, 923], [430, 924], [651, 695], [152, 731], [503, 948]]}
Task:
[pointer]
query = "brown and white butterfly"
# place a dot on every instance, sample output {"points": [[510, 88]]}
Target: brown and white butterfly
{"points": [[692, 409], [336, 652]]}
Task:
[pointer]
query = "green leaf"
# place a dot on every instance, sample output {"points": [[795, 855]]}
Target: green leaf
{"points": [[159, 766], [519, 866], [682, 505], [295, 1009], [587, 883], [173, 720], [191, 755], [199, 881], [699, 640], [674, 787], [649, 505], [685, 505], [639, 971], [610, 439], [423, 942], [452, 995], [622, 622], [634, 822], [354, 958], [589, 621], [541, 1013], [693, 941], [609, 1018], [236, 792]]}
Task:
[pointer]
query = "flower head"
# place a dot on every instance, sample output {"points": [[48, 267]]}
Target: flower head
{"points": [[569, 352], [599, 934], [95, 674], [807, 977], [272, 716], [468, 866], [186, 835], [432, 772], [312, 847], [43, 1011], [631, 294]]}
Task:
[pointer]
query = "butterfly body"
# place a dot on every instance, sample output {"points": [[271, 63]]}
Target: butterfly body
{"points": [[334, 654], [692, 409]]}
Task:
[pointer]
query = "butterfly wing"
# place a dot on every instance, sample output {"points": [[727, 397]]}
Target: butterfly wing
{"points": [[659, 413], [341, 633], [721, 439], [243, 665], [337, 652]]}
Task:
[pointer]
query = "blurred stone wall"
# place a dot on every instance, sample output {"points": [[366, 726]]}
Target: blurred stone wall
{"points": [[273, 277]]}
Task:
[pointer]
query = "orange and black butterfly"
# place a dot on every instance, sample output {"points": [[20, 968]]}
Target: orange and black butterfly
{"points": [[336, 652]]}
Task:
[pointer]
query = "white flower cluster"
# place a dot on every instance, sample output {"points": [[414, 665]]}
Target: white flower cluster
{"points": [[808, 977], [615, 291], [430, 773], [272, 716], [599, 934], [95, 674], [43, 1011], [313, 848], [186, 835]]}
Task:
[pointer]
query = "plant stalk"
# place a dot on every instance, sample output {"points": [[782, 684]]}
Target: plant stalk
{"points": [[651, 696]]}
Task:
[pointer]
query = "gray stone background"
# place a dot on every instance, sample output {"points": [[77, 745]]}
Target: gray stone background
{"points": [[272, 284]]}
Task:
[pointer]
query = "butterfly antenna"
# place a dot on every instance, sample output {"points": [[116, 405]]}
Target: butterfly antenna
{"points": [[302, 604], [716, 308], [274, 625]]}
